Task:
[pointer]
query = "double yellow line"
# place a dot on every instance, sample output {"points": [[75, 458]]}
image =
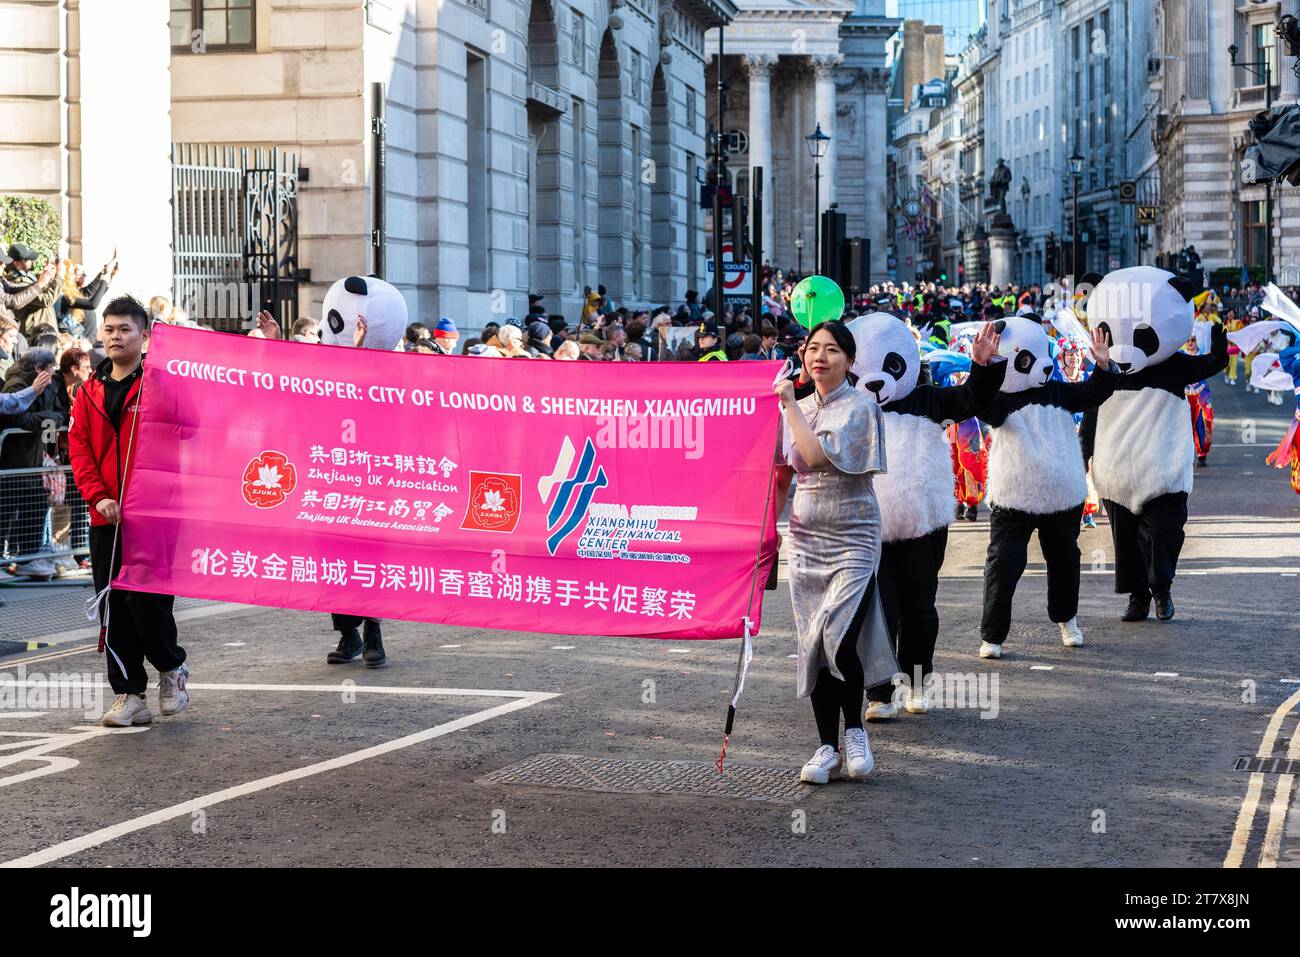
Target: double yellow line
{"points": [[1268, 854]]}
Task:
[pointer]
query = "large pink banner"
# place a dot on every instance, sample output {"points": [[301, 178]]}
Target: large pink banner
{"points": [[567, 497]]}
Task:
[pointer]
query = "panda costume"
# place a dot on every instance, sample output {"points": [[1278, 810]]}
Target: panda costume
{"points": [[383, 308], [1142, 451], [1036, 478], [916, 494]]}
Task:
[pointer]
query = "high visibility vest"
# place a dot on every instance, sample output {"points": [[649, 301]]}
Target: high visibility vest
{"points": [[716, 355]]}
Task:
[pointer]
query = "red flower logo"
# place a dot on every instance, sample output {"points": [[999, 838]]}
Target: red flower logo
{"points": [[268, 480], [493, 502]]}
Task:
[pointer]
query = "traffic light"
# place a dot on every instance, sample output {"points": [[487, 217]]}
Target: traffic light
{"points": [[739, 234]]}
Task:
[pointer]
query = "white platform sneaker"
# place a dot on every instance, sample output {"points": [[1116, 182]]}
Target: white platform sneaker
{"points": [[916, 702], [822, 767], [1071, 634], [126, 710], [172, 693], [857, 754], [990, 650], [880, 711]]}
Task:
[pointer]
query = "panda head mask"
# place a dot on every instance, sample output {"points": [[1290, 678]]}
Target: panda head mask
{"points": [[1146, 313], [888, 361], [382, 306], [1022, 341]]}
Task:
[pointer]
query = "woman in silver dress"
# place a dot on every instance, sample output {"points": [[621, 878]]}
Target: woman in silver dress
{"points": [[836, 442]]}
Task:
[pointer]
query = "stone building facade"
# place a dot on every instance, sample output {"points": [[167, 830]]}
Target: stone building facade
{"points": [[532, 145], [790, 66]]}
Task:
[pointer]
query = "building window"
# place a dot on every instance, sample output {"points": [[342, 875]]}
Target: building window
{"points": [[200, 25], [1254, 233], [1266, 47], [635, 85], [690, 109]]}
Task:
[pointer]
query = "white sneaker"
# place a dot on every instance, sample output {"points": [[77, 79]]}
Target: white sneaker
{"points": [[990, 650], [880, 711], [857, 754], [41, 568], [127, 709], [916, 703], [824, 765], [1071, 634], [172, 696]]}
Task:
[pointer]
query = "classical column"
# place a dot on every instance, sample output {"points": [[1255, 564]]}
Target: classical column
{"points": [[876, 135], [760, 136], [824, 96]]}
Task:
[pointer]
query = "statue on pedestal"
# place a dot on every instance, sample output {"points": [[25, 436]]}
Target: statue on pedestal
{"points": [[999, 185]]}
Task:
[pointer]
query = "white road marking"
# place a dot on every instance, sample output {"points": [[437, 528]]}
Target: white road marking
{"points": [[563, 647], [1165, 674], [524, 699], [234, 644], [1041, 667], [1291, 681], [333, 689], [679, 651], [449, 646]]}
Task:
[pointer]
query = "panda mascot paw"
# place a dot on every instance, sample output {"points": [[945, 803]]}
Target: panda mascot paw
{"points": [[379, 303]]}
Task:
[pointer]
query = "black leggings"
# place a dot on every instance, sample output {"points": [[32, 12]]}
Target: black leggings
{"points": [[831, 696]]}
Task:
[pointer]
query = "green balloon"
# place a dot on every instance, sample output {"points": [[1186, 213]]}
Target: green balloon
{"points": [[816, 299]]}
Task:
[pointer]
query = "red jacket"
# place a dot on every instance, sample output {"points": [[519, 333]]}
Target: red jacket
{"points": [[99, 452]]}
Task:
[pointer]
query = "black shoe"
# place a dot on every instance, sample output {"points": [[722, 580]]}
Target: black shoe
{"points": [[1164, 605], [972, 512], [374, 656], [1139, 607], [1200, 460], [961, 510], [349, 647]]}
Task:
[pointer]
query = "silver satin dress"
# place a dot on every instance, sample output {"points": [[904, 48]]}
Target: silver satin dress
{"points": [[835, 537]]}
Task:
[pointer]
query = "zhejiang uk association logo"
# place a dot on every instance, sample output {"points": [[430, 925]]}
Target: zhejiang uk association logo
{"points": [[493, 502], [268, 480]]}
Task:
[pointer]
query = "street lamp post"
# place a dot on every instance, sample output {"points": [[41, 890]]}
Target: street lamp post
{"points": [[1076, 174], [1024, 228], [817, 143], [1264, 70], [798, 245]]}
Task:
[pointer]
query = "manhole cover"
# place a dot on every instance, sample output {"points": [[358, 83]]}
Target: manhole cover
{"points": [[578, 773]]}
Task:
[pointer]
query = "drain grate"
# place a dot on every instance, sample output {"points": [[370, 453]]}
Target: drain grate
{"points": [[1252, 763], [578, 773]]}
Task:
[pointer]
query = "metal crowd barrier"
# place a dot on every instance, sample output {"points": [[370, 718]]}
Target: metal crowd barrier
{"points": [[42, 514]]}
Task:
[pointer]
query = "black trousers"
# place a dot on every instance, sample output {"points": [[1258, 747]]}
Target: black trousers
{"points": [[1147, 545], [1009, 531], [909, 584], [832, 697], [140, 624], [348, 622]]}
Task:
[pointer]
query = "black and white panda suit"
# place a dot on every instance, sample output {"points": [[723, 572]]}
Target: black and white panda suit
{"points": [[1036, 475], [1140, 440], [916, 494]]}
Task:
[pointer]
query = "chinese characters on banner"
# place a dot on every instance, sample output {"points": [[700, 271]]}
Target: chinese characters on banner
{"points": [[564, 497]]}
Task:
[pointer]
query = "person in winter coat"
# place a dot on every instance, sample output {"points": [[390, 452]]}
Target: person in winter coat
{"points": [[135, 626], [13, 302], [24, 502], [76, 307], [18, 278]]}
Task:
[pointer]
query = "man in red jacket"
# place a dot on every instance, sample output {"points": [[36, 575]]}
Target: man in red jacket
{"points": [[136, 625]]}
